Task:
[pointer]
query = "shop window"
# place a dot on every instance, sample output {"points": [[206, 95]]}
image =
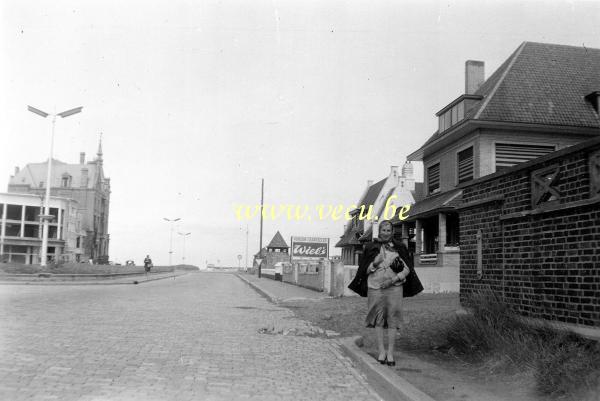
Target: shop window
{"points": [[433, 178], [13, 212]]}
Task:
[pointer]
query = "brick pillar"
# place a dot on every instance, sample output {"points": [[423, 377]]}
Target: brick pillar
{"points": [[418, 239], [441, 232]]}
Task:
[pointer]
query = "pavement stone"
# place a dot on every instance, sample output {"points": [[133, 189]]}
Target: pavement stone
{"points": [[196, 337]]}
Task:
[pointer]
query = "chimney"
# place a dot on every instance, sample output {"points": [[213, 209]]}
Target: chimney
{"points": [[369, 183], [474, 76], [407, 170], [84, 177], [16, 170], [394, 171], [81, 157]]}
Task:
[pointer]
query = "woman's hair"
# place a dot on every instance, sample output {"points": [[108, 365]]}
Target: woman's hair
{"points": [[383, 222]]}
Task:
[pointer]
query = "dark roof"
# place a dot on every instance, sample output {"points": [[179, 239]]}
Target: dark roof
{"points": [[540, 83], [433, 204], [261, 253], [351, 235], [34, 173], [372, 193], [277, 241]]}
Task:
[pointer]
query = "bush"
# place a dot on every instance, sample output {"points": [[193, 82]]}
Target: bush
{"points": [[563, 363]]}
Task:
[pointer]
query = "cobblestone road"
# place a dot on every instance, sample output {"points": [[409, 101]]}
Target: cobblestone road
{"points": [[193, 338]]}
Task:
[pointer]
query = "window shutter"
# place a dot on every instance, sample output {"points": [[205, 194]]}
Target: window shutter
{"points": [[508, 155], [465, 165], [433, 178]]}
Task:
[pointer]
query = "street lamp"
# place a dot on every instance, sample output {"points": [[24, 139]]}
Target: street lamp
{"points": [[184, 235], [46, 217], [171, 241]]}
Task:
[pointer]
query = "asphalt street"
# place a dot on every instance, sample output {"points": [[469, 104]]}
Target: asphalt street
{"points": [[203, 336]]}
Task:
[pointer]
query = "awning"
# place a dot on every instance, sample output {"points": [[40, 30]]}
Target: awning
{"points": [[432, 205]]}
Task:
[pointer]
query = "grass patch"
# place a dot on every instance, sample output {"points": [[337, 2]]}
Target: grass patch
{"points": [[564, 364]]}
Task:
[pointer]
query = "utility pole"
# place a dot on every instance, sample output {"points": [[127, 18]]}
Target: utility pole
{"points": [[262, 193], [246, 247]]}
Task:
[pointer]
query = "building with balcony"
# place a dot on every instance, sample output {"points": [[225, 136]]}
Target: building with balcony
{"points": [[82, 182], [21, 229]]}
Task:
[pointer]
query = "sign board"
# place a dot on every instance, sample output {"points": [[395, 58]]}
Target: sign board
{"points": [[310, 248]]}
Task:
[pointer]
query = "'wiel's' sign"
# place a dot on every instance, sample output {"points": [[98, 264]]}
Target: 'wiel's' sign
{"points": [[310, 247]]}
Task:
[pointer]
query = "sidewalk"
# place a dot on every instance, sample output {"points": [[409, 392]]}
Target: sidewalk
{"points": [[413, 378], [84, 279], [278, 291]]}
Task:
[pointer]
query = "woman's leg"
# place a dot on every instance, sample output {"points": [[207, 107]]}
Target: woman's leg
{"points": [[379, 331], [395, 299], [391, 342]]}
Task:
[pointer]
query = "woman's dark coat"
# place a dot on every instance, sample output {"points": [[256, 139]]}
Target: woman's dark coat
{"points": [[370, 252]]}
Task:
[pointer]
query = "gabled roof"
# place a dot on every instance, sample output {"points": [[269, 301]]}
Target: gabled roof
{"points": [[352, 234], [34, 173], [277, 241], [540, 83], [372, 193]]}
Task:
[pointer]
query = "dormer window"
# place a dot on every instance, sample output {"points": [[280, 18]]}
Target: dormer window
{"points": [[65, 181], [455, 111]]}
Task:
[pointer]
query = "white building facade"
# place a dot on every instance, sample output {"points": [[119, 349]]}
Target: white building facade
{"points": [[21, 229]]}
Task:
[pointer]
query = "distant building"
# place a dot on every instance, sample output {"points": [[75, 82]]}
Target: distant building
{"points": [[21, 229], [83, 182], [400, 188]]}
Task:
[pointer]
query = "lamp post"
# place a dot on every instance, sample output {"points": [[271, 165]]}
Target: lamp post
{"points": [[171, 241], [183, 235], [46, 217]]}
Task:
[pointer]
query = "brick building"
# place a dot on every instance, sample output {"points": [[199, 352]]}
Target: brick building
{"points": [[531, 234], [535, 103], [82, 182]]}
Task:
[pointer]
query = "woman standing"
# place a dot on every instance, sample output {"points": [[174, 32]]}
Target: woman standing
{"points": [[384, 265]]}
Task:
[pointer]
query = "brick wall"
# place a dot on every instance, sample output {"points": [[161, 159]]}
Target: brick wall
{"points": [[542, 257]]}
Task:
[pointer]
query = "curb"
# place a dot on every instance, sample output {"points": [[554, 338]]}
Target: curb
{"points": [[99, 282], [272, 298], [391, 384]]}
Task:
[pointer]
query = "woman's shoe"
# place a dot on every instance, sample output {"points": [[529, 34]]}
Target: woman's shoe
{"points": [[382, 361], [390, 363]]}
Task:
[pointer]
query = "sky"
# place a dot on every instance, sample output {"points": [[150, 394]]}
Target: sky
{"points": [[197, 101]]}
